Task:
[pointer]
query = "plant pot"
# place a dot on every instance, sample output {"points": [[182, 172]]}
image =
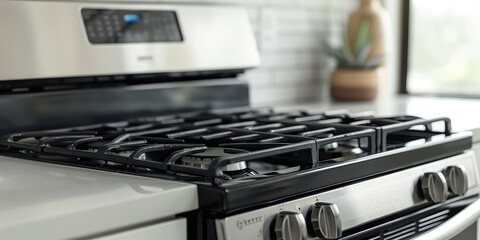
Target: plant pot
{"points": [[355, 84]]}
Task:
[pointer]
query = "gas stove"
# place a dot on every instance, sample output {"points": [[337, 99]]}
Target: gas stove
{"points": [[242, 159], [146, 131]]}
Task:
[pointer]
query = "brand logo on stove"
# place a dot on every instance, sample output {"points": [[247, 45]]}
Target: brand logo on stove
{"points": [[248, 221], [144, 58]]}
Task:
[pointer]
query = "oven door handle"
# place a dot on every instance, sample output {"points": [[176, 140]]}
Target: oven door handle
{"points": [[454, 225]]}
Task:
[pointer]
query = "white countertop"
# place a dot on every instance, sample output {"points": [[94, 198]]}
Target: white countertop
{"points": [[59, 202], [464, 113]]}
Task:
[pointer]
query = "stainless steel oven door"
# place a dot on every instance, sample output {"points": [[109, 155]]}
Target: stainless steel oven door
{"points": [[454, 219], [384, 208], [461, 226]]}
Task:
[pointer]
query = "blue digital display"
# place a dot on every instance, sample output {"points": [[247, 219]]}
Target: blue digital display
{"points": [[131, 18]]}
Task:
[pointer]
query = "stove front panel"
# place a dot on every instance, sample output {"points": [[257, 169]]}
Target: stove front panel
{"points": [[357, 204]]}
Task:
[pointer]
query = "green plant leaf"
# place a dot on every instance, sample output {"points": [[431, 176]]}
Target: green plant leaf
{"points": [[338, 54], [356, 58], [362, 36], [374, 61], [362, 54], [349, 55]]}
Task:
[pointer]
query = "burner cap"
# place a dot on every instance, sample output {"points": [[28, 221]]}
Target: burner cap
{"points": [[204, 158]]}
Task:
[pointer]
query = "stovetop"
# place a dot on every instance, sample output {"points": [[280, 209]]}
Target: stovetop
{"points": [[236, 155]]}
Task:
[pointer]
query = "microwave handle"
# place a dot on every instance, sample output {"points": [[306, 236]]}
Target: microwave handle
{"points": [[454, 225]]}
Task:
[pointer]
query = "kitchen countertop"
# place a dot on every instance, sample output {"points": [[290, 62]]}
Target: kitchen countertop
{"points": [[462, 111], [55, 201]]}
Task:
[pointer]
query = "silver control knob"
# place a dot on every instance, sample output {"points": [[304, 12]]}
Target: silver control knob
{"points": [[457, 179], [434, 187], [325, 220], [290, 226]]}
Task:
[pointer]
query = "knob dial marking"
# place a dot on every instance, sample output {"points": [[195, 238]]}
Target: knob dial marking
{"points": [[457, 180], [325, 220], [290, 226], [434, 187]]}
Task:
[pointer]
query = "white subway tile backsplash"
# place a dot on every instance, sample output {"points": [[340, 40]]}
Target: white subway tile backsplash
{"points": [[253, 14], [297, 78], [281, 3], [235, 2], [291, 42], [344, 5], [293, 49], [258, 78], [311, 59], [295, 19], [283, 95], [322, 4], [273, 60]]}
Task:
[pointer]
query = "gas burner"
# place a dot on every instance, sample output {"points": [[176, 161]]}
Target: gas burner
{"points": [[204, 158]]}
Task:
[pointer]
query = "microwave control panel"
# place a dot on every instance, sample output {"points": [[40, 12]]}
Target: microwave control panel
{"points": [[113, 26]]}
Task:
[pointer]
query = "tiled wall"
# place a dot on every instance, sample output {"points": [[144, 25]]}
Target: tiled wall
{"points": [[291, 36]]}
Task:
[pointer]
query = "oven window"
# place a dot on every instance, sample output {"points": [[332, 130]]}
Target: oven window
{"points": [[443, 47]]}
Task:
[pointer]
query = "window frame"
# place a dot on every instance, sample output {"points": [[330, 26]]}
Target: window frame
{"points": [[404, 46]]}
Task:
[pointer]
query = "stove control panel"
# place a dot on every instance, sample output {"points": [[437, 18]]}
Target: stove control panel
{"points": [[328, 214], [106, 26]]}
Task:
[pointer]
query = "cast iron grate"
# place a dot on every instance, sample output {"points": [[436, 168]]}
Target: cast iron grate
{"points": [[221, 145]]}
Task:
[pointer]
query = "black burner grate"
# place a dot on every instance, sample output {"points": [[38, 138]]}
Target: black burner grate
{"points": [[221, 145]]}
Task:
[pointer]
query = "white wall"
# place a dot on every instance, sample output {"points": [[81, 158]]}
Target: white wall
{"points": [[291, 36]]}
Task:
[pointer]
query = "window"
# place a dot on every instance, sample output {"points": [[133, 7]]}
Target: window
{"points": [[443, 53]]}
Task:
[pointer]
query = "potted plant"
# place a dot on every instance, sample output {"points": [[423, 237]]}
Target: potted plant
{"points": [[357, 74]]}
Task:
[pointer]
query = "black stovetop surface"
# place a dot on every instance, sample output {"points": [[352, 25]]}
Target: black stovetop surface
{"points": [[241, 157]]}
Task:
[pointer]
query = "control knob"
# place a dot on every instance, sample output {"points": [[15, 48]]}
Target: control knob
{"points": [[290, 226], [457, 179], [325, 220], [434, 187]]}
